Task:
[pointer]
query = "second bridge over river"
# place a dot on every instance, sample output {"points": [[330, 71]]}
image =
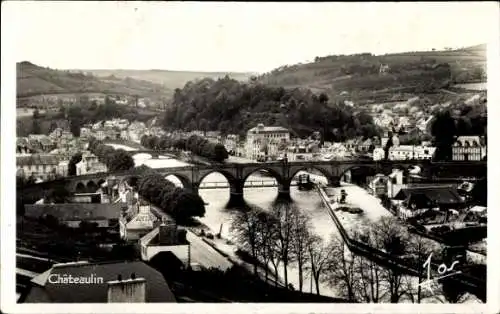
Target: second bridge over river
{"points": [[248, 184]]}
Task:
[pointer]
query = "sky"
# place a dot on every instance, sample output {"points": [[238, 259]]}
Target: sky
{"points": [[225, 36]]}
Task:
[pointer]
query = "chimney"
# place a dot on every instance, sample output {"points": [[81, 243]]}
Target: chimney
{"points": [[167, 233], [131, 290]]}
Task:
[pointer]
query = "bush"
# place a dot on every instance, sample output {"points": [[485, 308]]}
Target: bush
{"points": [[180, 203], [195, 144]]}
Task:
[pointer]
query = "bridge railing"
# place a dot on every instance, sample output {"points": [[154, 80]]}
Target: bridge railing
{"points": [[248, 183]]}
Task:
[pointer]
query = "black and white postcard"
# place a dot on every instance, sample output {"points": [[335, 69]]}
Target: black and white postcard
{"points": [[245, 156]]}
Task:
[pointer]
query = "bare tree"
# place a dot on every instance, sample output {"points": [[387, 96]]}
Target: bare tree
{"points": [[246, 227], [300, 238], [284, 213], [418, 249], [320, 254], [342, 272], [266, 246], [388, 235], [369, 273], [369, 281]]}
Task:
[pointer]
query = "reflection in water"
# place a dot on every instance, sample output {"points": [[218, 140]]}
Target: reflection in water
{"points": [[221, 209]]}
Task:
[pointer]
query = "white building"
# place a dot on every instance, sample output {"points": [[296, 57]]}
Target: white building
{"points": [[165, 238], [469, 148], [378, 153], [262, 141], [424, 123], [404, 152], [137, 222], [40, 166], [89, 164]]}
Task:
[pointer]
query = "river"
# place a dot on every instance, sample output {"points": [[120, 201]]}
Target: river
{"points": [[219, 212]]}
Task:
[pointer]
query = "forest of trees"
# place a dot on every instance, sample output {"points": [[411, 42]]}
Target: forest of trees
{"points": [[283, 238], [229, 106], [196, 144]]}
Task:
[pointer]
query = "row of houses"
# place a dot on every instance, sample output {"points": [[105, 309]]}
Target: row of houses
{"points": [[410, 200]]}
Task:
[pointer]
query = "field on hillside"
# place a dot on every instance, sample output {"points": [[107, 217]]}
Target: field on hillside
{"points": [[33, 80], [170, 79], [366, 75]]}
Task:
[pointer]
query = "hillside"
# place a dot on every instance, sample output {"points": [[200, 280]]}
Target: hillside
{"points": [[33, 80], [170, 79], [368, 76], [230, 106]]}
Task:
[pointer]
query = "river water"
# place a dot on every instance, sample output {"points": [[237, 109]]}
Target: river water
{"points": [[219, 213]]}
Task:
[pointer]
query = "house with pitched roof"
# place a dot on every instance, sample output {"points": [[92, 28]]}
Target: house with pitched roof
{"points": [[39, 165], [469, 148], [415, 200], [136, 221], [73, 214], [167, 237], [109, 282]]}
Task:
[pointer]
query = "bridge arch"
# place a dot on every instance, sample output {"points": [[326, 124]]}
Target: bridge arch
{"points": [[325, 172], [100, 182], [91, 186], [276, 175], [80, 187], [227, 175], [372, 168], [184, 180]]}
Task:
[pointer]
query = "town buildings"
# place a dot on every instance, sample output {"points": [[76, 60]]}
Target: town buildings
{"points": [[136, 221], [89, 164], [73, 214], [263, 141], [43, 166], [469, 148]]}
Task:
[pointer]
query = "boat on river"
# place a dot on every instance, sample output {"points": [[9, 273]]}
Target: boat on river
{"points": [[304, 182]]}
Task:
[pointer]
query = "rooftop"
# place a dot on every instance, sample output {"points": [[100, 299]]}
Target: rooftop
{"points": [[44, 291], [267, 129], [74, 211], [442, 195], [38, 159]]}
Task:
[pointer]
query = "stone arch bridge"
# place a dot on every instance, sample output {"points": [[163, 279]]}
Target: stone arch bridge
{"points": [[236, 174]]}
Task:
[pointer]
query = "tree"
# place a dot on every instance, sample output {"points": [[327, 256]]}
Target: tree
{"points": [[320, 254], [58, 195], [443, 130], [203, 125], [342, 272], [388, 235], [75, 124], [72, 163], [220, 153], [418, 249], [246, 227], [388, 146], [323, 98], [451, 292], [120, 160], [36, 128], [284, 212], [300, 237]]}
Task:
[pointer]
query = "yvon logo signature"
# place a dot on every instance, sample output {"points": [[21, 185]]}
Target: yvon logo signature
{"points": [[443, 271]]}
